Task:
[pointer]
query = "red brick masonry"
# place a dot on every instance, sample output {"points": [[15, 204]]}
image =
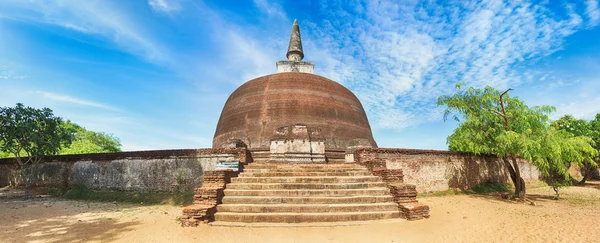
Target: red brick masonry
{"points": [[260, 106], [405, 195], [207, 197], [439, 170]]}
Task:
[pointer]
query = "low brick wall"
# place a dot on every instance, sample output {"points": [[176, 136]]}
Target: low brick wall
{"points": [[437, 170], [157, 170]]}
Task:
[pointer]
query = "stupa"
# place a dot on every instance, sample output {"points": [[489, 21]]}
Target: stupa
{"points": [[293, 112], [298, 132]]}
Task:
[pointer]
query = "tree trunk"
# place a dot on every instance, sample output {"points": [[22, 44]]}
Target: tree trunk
{"points": [[556, 192], [515, 176], [515, 173], [587, 173], [27, 189], [520, 189], [27, 181]]}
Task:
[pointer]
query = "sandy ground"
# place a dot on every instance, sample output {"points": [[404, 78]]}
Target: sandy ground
{"points": [[461, 218]]}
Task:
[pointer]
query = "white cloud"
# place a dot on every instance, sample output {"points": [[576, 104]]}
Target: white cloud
{"points": [[581, 108], [272, 9], [244, 52], [250, 54], [91, 17], [74, 100], [403, 56], [7, 74], [397, 57], [593, 12], [164, 5]]}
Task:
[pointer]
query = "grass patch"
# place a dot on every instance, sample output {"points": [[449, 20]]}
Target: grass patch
{"points": [[450, 192], [583, 201], [491, 187], [146, 198], [483, 188], [535, 184]]}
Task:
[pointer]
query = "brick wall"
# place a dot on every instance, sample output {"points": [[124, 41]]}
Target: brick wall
{"points": [[436, 170], [156, 170]]}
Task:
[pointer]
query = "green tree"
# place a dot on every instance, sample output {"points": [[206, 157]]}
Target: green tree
{"points": [[492, 122], [35, 133], [86, 142], [3, 154], [83, 142], [580, 127]]}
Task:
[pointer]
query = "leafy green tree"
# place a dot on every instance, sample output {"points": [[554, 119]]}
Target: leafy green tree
{"points": [[3, 154], [580, 127], [86, 142], [492, 122], [83, 142], [33, 132]]}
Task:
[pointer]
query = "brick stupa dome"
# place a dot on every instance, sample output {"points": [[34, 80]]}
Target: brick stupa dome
{"points": [[293, 96], [260, 106]]}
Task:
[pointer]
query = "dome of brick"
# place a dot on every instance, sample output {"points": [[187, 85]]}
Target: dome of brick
{"points": [[259, 107]]}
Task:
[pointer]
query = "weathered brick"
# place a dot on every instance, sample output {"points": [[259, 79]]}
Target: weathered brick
{"points": [[207, 197]]}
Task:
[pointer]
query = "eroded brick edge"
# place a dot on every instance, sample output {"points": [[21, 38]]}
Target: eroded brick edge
{"points": [[405, 195]]}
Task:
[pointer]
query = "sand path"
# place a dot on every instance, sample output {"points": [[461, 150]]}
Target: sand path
{"points": [[461, 218]]}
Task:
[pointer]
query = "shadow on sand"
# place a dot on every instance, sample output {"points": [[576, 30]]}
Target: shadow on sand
{"points": [[503, 197], [55, 220], [63, 229], [592, 184]]}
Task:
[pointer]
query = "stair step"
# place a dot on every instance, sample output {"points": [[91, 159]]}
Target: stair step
{"points": [[304, 217], [321, 179], [305, 200], [336, 160], [306, 208], [301, 225], [304, 173], [303, 166], [284, 170], [291, 186], [307, 192]]}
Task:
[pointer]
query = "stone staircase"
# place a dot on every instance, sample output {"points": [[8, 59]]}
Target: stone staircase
{"points": [[303, 193]]}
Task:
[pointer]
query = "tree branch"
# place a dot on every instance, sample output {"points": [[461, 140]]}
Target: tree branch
{"points": [[507, 126], [497, 112]]}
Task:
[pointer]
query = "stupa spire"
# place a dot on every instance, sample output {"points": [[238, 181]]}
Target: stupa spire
{"points": [[294, 52], [295, 55]]}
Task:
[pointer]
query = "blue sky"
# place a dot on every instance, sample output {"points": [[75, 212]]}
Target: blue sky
{"points": [[156, 73]]}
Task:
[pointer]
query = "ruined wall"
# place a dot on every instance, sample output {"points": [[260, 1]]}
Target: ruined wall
{"points": [[436, 170], [297, 146], [160, 170]]}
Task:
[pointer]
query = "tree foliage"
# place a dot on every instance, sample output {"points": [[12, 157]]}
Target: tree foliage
{"points": [[82, 140], [492, 122], [33, 132], [86, 142], [29, 135], [580, 127], [4, 154]]}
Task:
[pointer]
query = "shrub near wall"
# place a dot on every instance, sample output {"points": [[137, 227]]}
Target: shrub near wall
{"points": [[438, 170]]}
